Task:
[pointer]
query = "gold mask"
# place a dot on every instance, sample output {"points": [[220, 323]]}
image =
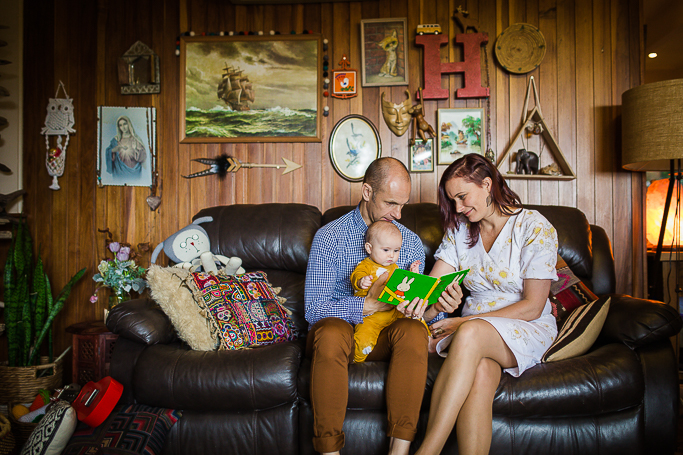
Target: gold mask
{"points": [[397, 116]]}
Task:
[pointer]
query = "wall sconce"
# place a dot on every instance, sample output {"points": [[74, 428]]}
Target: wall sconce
{"points": [[139, 71]]}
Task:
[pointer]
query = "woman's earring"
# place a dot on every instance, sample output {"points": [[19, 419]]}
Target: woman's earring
{"points": [[488, 200]]}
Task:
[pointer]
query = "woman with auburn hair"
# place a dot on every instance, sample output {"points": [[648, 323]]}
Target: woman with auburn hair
{"points": [[506, 322]]}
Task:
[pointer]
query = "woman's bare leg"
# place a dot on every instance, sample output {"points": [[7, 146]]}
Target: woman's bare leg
{"points": [[473, 341], [474, 424]]}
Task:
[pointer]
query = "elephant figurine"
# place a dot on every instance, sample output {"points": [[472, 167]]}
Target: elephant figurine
{"points": [[527, 162]]}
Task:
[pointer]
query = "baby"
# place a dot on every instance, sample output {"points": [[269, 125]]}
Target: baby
{"points": [[383, 244]]}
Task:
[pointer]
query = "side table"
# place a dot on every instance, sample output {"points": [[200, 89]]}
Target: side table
{"points": [[93, 344]]}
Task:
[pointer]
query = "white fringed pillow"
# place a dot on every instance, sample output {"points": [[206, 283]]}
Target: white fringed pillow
{"points": [[175, 299]]}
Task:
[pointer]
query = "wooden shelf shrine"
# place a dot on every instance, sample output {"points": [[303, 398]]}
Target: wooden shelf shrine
{"points": [[535, 116]]}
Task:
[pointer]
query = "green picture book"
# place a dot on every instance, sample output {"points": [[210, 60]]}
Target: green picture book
{"points": [[406, 285]]}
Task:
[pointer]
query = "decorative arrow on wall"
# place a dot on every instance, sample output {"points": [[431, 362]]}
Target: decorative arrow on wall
{"points": [[225, 163]]}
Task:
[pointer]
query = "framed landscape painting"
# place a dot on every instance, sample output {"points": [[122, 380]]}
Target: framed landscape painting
{"points": [[250, 88], [460, 133]]}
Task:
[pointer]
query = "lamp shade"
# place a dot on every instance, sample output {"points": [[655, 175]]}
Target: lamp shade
{"points": [[652, 126]]}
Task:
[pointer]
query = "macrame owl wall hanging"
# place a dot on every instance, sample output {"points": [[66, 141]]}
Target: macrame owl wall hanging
{"points": [[59, 122]]}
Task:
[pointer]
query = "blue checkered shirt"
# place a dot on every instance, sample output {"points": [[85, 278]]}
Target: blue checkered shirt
{"points": [[337, 249]]}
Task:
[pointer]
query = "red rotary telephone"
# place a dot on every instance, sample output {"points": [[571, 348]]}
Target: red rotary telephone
{"points": [[96, 400]]}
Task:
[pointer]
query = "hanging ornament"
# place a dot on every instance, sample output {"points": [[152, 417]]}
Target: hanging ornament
{"points": [[59, 122]]}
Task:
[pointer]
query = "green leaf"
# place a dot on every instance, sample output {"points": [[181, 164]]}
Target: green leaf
{"points": [[56, 308]]}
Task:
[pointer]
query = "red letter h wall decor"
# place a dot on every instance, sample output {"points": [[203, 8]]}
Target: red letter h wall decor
{"points": [[471, 66]]}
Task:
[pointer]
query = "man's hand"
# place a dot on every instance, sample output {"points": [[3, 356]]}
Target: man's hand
{"points": [[365, 282], [372, 305]]}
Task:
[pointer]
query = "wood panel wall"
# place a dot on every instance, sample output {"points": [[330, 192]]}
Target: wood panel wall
{"points": [[593, 56]]}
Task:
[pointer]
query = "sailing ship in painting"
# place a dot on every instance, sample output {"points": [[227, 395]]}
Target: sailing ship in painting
{"points": [[235, 89]]}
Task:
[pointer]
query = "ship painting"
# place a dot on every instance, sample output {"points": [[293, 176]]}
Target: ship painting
{"points": [[235, 89]]}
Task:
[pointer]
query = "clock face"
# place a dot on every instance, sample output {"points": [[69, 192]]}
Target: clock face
{"points": [[190, 243]]}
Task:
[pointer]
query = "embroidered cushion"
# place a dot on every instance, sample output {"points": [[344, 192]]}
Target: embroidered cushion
{"points": [[134, 429], [243, 310], [567, 293], [53, 431], [579, 332]]}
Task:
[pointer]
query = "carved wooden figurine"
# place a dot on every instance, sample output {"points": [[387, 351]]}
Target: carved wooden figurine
{"points": [[527, 162], [419, 122]]}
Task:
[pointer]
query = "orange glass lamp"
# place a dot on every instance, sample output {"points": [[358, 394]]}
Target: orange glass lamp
{"points": [[654, 211], [652, 139]]}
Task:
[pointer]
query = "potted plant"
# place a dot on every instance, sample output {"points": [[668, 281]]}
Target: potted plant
{"points": [[30, 309]]}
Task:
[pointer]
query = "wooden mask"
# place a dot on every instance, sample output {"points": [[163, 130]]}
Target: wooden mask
{"points": [[397, 116]]}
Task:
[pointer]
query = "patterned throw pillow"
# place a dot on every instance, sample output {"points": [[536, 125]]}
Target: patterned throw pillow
{"points": [[53, 431], [579, 331], [243, 310], [135, 429], [567, 293]]}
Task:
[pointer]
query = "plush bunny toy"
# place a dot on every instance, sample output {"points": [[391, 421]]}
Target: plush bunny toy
{"points": [[190, 248]]}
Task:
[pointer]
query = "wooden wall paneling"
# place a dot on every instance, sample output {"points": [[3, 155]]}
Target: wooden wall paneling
{"points": [[283, 183], [341, 36], [327, 173], [441, 13], [356, 103], [310, 174], [533, 185], [547, 23], [636, 72], [501, 95], [518, 87], [604, 132], [585, 133], [566, 96], [487, 23], [623, 232]]}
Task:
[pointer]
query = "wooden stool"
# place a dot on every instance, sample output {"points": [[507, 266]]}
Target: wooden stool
{"points": [[93, 344]]}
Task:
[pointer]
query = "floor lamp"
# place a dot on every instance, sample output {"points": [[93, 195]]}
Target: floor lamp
{"points": [[652, 138]]}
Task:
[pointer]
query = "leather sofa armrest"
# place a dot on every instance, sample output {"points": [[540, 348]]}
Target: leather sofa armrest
{"points": [[142, 321], [638, 322]]}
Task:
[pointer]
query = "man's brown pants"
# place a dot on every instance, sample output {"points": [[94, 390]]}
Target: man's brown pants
{"points": [[330, 347]]}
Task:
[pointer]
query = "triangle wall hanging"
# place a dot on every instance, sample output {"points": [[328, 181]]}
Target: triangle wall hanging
{"points": [[526, 164]]}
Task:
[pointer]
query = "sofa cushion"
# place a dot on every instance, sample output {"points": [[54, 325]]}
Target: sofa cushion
{"points": [[579, 332], [638, 322], [568, 292], [53, 432], [174, 377], [142, 321], [243, 310], [292, 289], [168, 289]]}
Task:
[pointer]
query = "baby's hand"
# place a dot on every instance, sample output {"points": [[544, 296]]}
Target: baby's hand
{"points": [[365, 282], [415, 267]]}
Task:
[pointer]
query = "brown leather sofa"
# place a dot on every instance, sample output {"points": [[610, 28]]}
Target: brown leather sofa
{"points": [[619, 398]]}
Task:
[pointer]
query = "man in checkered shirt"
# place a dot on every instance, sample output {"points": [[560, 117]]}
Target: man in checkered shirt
{"points": [[332, 311]]}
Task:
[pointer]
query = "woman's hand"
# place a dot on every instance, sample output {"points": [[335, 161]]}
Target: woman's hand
{"points": [[414, 309], [449, 301], [443, 328]]}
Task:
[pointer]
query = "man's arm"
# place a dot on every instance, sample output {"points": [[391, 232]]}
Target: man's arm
{"points": [[321, 281]]}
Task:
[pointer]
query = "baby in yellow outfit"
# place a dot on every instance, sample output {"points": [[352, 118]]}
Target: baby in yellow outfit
{"points": [[383, 244]]}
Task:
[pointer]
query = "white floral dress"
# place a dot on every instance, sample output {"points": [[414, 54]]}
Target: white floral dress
{"points": [[526, 248]]}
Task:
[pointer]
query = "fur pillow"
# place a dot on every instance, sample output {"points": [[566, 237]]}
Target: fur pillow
{"points": [[168, 289]]}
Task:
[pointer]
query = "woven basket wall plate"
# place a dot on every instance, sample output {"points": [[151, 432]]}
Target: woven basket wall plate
{"points": [[520, 48]]}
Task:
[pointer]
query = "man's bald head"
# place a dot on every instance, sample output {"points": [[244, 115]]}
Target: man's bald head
{"points": [[383, 171]]}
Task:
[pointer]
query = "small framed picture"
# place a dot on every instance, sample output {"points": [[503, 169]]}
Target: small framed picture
{"points": [[422, 156], [354, 144], [460, 133], [126, 139], [384, 52], [344, 83]]}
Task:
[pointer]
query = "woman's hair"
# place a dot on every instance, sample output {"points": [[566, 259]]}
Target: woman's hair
{"points": [[474, 168]]}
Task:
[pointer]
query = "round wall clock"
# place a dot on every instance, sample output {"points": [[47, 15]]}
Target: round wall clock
{"points": [[520, 48]]}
